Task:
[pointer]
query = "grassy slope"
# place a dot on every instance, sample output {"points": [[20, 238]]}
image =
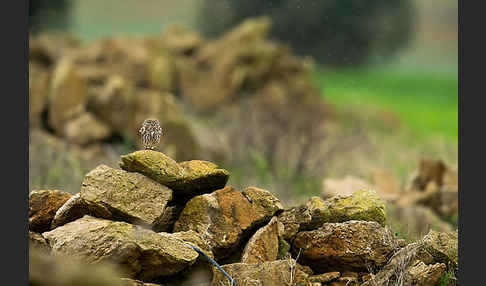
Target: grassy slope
{"points": [[426, 102]]}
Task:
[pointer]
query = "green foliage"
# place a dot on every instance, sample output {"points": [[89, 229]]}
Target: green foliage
{"points": [[448, 279], [426, 102], [332, 31]]}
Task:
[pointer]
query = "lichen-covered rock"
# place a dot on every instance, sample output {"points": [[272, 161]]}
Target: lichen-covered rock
{"points": [[363, 205], [60, 270], [86, 129], [76, 207], [352, 245], [193, 238], [37, 241], [153, 164], [421, 274], [292, 219], [224, 217], [201, 177], [129, 196], [67, 96], [141, 253], [264, 244], [200, 273], [43, 205], [271, 273], [186, 179], [443, 246]]}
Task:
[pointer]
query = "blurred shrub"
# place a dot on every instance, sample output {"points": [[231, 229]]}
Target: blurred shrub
{"points": [[48, 14], [332, 31]]}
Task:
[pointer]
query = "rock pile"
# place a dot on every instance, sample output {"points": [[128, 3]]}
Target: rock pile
{"points": [[430, 199], [144, 219], [93, 93]]}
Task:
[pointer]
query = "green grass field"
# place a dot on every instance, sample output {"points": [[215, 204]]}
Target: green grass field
{"points": [[425, 101]]}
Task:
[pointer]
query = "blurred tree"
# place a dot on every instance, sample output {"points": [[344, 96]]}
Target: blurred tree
{"points": [[48, 15], [334, 32]]}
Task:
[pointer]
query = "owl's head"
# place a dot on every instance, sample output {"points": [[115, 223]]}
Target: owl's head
{"points": [[151, 122]]}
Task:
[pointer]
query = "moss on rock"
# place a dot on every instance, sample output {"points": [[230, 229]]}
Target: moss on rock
{"points": [[364, 205]]}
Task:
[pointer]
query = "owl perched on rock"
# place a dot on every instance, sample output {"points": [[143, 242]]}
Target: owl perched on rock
{"points": [[150, 133]]}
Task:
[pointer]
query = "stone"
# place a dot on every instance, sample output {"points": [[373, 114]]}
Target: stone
{"points": [[325, 277], [270, 273], [131, 197], [43, 205], [86, 129], [363, 205], [141, 253], [352, 245], [292, 219], [424, 275], [76, 207], [186, 179], [155, 165], [38, 242], [67, 96], [165, 222], [224, 217], [264, 244], [443, 246], [114, 103], [61, 270], [200, 273]]}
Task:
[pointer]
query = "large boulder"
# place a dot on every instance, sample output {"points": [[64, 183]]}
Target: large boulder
{"points": [[186, 179], [264, 244], [43, 205], [352, 245], [363, 205], [225, 217], [271, 273], [128, 196], [141, 253]]}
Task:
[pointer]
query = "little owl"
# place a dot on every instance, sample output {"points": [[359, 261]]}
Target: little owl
{"points": [[150, 132]]}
